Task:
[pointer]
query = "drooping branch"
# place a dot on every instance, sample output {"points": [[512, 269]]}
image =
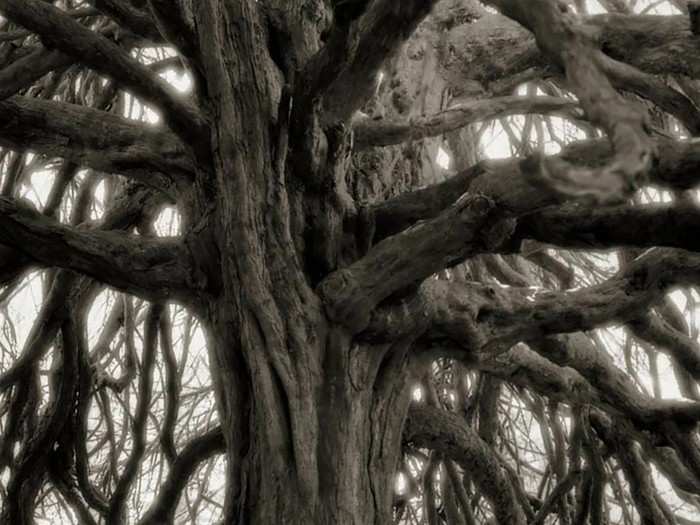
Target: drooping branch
{"points": [[172, 389], [117, 505], [562, 38], [617, 390], [89, 491], [636, 471], [628, 78], [637, 415], [561, 489], [61, 32], [154, 268], [74, 442], [32, 459], [442, 431], [95, 139], [683, 348], [65, 290], [199, 449]]}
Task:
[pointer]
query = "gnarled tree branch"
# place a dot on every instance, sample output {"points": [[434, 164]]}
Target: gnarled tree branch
{"points": [[61, 32], [448, 434], [562, 38], [95, 139], [154, 268], [511, 184]]}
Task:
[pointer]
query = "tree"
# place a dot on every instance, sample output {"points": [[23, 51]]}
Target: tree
{"points": [[383, 334]]}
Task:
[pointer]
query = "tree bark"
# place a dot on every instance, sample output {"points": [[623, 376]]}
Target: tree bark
{"points": [[321, 291]]}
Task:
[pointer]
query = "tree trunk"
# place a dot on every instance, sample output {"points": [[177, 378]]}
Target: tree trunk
{"points": [[312, 429], [306, 450]]}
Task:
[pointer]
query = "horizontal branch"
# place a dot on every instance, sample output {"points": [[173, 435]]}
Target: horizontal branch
{"points": [[94, 139], [503, 182], [491, 319], [492, 207], [58, 30], [511, 185], [584, 227], [157, 269], [526, 314], [130, 206], [482, 326], [639, 48], [370, 132], [127, 209]]}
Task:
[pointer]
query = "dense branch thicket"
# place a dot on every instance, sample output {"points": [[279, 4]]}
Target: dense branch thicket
{"points": [[349, 262]]}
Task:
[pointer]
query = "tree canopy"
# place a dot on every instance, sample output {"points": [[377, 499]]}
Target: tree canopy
{"points": [[349, 262]]}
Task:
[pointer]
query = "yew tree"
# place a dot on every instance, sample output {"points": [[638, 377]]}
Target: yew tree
{"points": [[280, 276]]}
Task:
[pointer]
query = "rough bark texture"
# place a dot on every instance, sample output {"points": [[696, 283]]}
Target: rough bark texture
{"points": [[338, 270]]}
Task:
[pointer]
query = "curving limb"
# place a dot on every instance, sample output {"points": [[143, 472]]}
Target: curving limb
{"points": [[562, 37], [369, 132], [197, 450], [439, 430]]}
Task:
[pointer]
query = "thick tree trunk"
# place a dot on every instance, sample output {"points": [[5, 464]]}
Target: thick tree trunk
{"points": [[311, 437], [312, 425], [310, 450]]}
